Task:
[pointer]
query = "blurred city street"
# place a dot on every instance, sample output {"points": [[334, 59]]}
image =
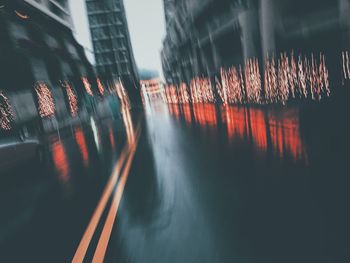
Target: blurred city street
{"points": [[205, 185], [174, 131]]}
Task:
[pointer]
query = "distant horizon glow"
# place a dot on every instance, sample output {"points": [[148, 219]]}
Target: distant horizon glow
{"points": [[146, 25], [147, 28]]}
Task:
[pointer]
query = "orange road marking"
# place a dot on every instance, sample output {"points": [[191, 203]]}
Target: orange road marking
{"points": [[112, 214], [90, 230]]}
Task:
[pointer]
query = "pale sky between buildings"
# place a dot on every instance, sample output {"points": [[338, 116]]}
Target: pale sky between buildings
{"points": [[146, 24]]}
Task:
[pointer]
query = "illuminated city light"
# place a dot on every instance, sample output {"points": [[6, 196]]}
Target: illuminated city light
{"points": [[87, 86], [171, 94], [252, 81], [231, 88], [45, 100], [184, 94], [346, 65], [153, 89], [72, 99], [125, 111], [202, 91], [122, 94], [6, 112], [284, 78], [100, 87], [271, 81]]}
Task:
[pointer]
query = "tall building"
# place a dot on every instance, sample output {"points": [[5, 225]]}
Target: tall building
{"points": [[206, 35], [42, 55], [111, 41], [37, 40]]}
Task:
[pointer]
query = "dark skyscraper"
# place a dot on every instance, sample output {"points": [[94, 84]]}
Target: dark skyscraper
{"points": [[111, 41]]}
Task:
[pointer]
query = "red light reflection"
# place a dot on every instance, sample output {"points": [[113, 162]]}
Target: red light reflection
{"points": [[186, 109], [174, 110], [60, 161], [205, 114], [80, 139], [260, 127], [286, 138], [236, 121]]}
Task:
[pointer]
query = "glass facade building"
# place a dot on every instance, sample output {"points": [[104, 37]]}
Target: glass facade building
{"points": [[111, 40]]}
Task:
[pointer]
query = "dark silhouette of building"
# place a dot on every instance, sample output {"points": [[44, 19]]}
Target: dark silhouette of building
{"points": [[56, 9], [111, 41], [37, 46], [205, 35]]}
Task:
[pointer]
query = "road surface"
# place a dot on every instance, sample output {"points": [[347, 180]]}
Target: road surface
{"points": [[185, 184]]}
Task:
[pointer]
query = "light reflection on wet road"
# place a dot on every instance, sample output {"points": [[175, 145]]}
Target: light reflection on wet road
{"points": [[207, 184]]}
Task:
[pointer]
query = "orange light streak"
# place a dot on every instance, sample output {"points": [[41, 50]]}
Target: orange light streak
{"points": [[22, 16], [100, 87], [87, 86]]}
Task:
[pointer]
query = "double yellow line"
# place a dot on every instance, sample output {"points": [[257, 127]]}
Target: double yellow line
{"points": [[126, 157]]}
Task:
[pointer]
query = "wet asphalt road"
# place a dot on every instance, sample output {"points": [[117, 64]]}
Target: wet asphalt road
{"points": [[207, 184]]}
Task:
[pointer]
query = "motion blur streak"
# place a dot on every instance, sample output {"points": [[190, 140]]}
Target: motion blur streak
{"points": [[101, 89], [187, 113], [6, 112], [111, 138], [80, 139], [267, 130], [22, 16], [61, 162], [72, 99], [205, 114], [85, 241], [45, 100], [87, 86], [281, 129], [112, 214], [282, 80], [346, 65]]}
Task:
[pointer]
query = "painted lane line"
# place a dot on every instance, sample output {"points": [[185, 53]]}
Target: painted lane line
{"points": [[90, 230], [112, 214]]}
